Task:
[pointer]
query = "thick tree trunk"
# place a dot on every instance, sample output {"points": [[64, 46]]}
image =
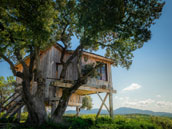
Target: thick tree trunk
{"points": [[36, 110], [35, 104]]}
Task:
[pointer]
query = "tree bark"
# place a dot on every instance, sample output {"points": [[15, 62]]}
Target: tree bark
{"points": [[35, 104], [66, 94], [63, 102], [62, 105]]}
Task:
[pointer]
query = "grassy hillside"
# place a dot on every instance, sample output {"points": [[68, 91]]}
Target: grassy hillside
{"points": [[122, 111], [132, 121]]}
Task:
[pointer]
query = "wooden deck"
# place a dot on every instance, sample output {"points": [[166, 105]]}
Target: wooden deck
{"points": [[84, 89]]}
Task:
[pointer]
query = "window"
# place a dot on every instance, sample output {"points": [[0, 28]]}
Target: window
{"points": [[102, 73]]}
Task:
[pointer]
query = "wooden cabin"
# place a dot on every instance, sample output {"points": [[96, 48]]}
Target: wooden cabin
{"points": [[51, 72]]}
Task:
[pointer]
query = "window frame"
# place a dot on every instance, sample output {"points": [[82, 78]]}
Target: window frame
{"points": [[100, 71]]}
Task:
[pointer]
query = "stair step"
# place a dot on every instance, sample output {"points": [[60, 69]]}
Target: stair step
{"points": [[11, 111]]}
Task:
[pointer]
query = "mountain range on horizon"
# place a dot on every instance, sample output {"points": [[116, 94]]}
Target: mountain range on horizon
{"points": [[122, 111]]}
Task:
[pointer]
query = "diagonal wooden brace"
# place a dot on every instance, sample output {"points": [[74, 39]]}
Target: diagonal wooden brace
{"points": [[102, 105]]}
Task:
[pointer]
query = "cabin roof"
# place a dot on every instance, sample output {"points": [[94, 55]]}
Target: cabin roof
{"points": [[84, 53]]}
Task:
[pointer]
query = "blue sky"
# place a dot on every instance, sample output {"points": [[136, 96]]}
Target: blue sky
{"points": [[148, 82]]}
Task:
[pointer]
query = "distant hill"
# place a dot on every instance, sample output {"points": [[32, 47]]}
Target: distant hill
{"points": [[122, 111]]}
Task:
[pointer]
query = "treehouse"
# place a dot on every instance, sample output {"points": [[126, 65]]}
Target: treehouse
{"points": [[51, 69]]}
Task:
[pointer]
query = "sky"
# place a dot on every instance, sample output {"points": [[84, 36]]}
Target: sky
{"points": [[147, 84]]}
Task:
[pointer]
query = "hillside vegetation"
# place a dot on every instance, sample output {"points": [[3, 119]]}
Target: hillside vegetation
{"points": [[132, 121]]}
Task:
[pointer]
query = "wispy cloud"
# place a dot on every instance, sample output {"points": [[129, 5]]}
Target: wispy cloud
{"points": [[139, 103], [145, 104], [164, 104], [133, 86], [158, 96]]}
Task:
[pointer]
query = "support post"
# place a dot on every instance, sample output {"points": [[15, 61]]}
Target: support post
{"points": [[101, 105], [111, 103], [53, 107], [19, 115], [77, 111], [110, 93]]}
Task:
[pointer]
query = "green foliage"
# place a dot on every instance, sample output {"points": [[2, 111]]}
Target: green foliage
{"points": [[119, 26], [87, 102], [6, 87], [25, 26], [105, 122]]}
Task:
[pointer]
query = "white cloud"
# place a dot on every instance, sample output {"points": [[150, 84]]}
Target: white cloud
{"points": [[158, 96], [146, 102], [164, 103], [138, 103], [133, 86]]}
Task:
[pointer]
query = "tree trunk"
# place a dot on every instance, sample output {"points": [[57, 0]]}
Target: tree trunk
{"points": [[35, 105], [62, 105], [63, 102], [36, 110]]}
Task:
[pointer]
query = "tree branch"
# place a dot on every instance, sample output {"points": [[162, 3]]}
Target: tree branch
{"points": [[62, 34], [64, 43], [62, 55], [65, 65], [32, 59], [79, 61], [18, 74], [82, 80], [19, 58]]}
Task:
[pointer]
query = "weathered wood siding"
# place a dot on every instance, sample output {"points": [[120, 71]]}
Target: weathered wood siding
{"points": [[52, 56], [93, 81], [48, 61]]}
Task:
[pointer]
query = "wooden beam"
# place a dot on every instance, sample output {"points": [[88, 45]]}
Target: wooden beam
{"points": [[74, 104], [111, 104], [53, 107], [102, 105], [77, 111], [54, 99], [83, 88]]}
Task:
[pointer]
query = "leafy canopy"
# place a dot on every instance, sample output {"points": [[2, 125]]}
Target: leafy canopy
{"points": [[117, 26]]}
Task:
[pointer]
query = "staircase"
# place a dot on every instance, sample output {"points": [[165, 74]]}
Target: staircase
{"points": [[12, 105]]}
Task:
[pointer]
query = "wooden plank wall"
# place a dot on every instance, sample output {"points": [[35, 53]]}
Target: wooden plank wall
{"points": [[48, 66]]}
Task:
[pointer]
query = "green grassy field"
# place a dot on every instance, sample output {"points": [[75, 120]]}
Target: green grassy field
{"points": [[134, 121]]}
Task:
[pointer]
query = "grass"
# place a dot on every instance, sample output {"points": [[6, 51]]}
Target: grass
{"points": [[133, 121]]}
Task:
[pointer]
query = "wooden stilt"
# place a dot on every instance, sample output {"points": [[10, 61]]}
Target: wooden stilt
{"points": [[111, 104], [53, 107], [102, 105], [19, 115], [77, 110]]}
